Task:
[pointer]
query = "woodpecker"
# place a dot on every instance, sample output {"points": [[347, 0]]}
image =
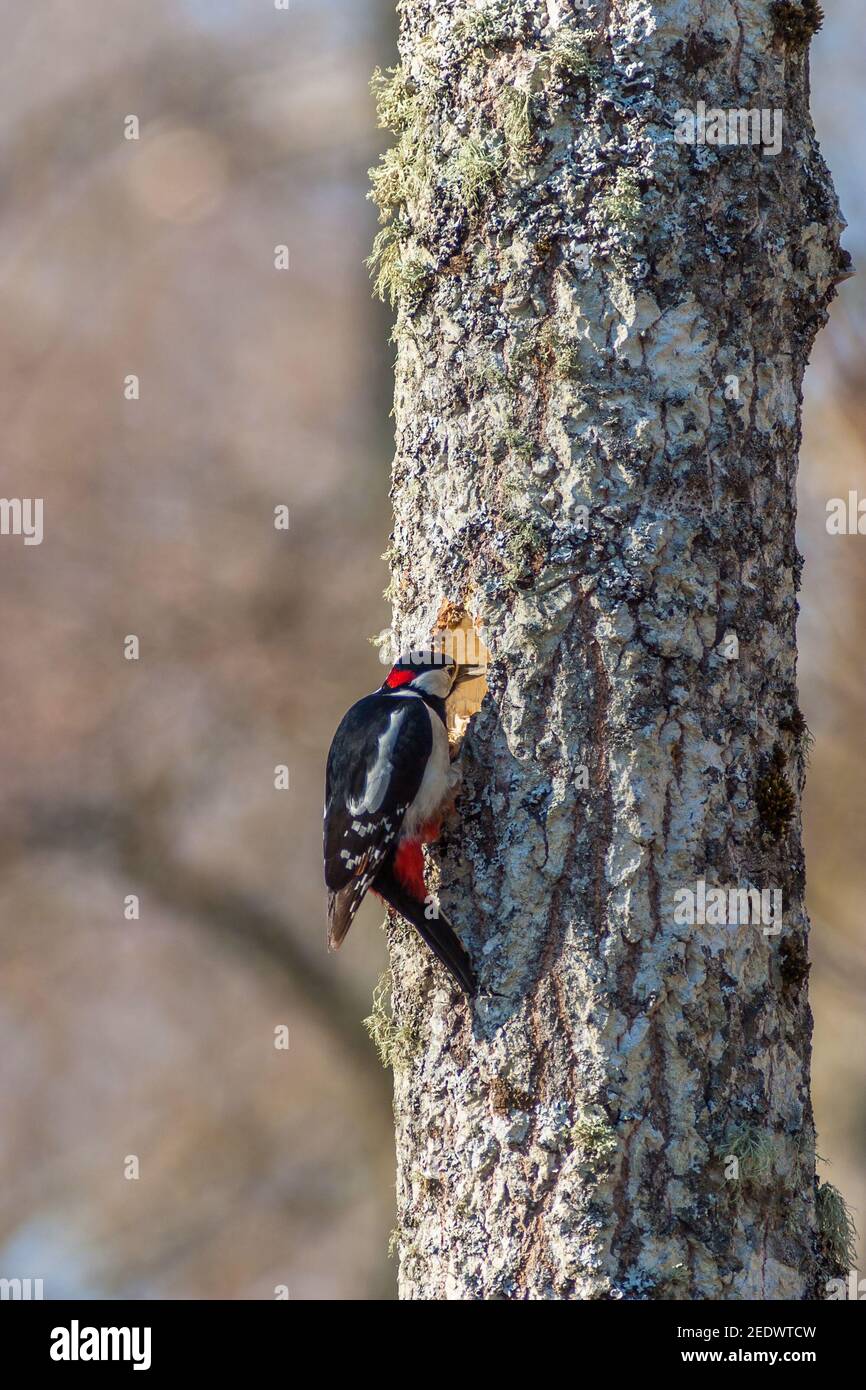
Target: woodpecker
{"points": [[389, 784]]}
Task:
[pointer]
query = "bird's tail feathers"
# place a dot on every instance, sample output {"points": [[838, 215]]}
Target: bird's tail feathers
{"points": [[342, 907], [437, 931]]}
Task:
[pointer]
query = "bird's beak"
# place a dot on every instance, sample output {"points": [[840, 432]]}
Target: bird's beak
{"points": [[468, 673]]}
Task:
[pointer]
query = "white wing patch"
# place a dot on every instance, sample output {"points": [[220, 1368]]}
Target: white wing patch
{"points": [[379, 775]]}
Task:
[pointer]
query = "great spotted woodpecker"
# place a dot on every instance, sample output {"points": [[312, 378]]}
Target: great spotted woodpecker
{"points": [[389, 782]]}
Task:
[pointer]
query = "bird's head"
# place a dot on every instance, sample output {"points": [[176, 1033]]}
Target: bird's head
{"points": [[429, 673]]}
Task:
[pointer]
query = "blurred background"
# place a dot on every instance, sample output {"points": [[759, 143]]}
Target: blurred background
{"points": [[154, 1037]]}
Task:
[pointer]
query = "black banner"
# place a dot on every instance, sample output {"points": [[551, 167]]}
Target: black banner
{"points": [[155, 1339]]}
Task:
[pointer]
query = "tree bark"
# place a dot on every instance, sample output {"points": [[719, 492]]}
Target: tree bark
{"points": [[601, 336]]}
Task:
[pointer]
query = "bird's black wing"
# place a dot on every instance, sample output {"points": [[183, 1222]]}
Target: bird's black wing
{"points": [[375, 767]]}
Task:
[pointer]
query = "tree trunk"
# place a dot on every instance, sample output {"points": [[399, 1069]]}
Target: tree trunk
{"points": [[601, 337]]}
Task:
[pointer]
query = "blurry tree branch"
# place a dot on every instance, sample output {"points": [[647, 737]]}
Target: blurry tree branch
{"points": [[240, 919]]}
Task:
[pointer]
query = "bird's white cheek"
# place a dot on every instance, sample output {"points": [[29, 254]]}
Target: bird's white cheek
{"points": [[436, 683]]}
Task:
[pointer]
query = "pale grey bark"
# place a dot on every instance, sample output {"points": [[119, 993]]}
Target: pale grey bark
{"points": [[592, 315]]}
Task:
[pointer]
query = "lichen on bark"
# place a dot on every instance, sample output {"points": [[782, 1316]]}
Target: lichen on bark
{"points": [[601, 336]]}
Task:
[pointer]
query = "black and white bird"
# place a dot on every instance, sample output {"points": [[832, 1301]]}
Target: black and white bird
{"points": [[389, 784]]}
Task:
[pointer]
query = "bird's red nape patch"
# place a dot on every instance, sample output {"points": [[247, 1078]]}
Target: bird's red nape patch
{"points": [[398, 678], [409, 868]]}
